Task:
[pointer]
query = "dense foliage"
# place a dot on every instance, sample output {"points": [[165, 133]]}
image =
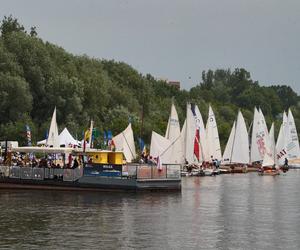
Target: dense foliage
{"points": [[36, 76]]}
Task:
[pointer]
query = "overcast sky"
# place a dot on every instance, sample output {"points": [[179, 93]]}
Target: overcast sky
{"points": [[175, 39]]}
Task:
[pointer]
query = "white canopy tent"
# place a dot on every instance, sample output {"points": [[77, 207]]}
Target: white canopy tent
{"points": [[64, 138]]}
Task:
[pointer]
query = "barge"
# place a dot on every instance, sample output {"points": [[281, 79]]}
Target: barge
{"points": [[98, 171]]}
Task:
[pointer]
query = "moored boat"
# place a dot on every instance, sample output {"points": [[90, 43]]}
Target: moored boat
{"points": [[287, 146], [271, 172], [236, 154], [96, 171]]}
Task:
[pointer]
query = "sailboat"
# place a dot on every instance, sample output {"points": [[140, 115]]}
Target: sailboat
{"points": [[161, 148], [212, 137], [168, 148], [270, 161], [188, 134], [228, 149], [287, 145], [258, 139], [53, 140], [200, 137], [212, 150], [237, 148], [190, 139], [173, 134]]}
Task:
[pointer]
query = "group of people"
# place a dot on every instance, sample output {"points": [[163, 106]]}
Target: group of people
{"points": [[284, 168], [49, 161], [213, 164], [148, 159]]}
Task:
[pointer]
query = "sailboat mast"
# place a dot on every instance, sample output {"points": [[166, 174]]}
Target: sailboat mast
{"points": [[142, 121], [187, 106]]}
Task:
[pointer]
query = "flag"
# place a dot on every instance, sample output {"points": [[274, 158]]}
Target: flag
{"points": [[193, 109], [112, 145], [109, 135], [141, 144], [145, 150], [87, 135], [46, 134]]}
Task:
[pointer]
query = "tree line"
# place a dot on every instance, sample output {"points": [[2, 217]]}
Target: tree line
{"points": [[36, 76]]}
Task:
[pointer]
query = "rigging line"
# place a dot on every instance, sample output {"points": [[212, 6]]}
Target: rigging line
{"points": [[170, 146], [128, 145]]}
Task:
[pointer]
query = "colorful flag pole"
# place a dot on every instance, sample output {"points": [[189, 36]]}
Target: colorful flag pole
{"points": [[28, 135]]}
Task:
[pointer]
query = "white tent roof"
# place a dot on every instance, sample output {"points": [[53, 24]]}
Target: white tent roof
{"points": [[65, 138]]}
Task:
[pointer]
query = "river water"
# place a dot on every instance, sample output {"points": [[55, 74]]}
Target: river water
{"points": [[241, 211]]}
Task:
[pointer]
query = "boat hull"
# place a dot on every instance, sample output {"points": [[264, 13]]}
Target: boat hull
{"points": [[294, 166], [92, 184], [270, 173]]}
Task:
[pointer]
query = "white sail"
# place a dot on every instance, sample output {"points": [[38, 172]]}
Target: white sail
{"points": [[202, 134], [292, 138], [125, 142], [53, 139], [212, 137], [281, 149], [228, 149], [258, 139], [160, 147], [183, 140], [189, 133], [173, 128], [254, 153], [263, 121], [270, 155], [173, 134], [272, 145], [240, 149]]}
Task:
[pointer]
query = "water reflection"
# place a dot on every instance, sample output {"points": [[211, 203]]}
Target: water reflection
{"points": [[223, 212]]}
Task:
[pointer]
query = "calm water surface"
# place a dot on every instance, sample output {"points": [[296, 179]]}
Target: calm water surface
{"points": [[223, 212]]}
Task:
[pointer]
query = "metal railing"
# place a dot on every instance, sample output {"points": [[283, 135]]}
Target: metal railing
{"points": [[136, 171], [168, 171], [28, 173]]}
